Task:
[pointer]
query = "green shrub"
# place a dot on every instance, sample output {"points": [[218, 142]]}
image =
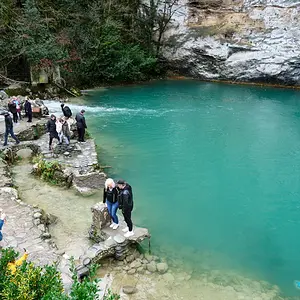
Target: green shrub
{"points": [[41, 283], [46, 169], [111, 296]]}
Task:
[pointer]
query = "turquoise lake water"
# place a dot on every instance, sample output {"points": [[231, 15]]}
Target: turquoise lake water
{"points": [[215, 171]]}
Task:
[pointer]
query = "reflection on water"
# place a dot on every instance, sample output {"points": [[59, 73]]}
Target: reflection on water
{"points": [[73, 211]]}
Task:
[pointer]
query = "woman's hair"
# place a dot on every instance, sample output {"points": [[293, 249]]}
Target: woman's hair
{"points": [[108, 182]]}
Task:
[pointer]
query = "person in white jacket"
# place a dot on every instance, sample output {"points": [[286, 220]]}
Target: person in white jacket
{"points": [[58, 125]]}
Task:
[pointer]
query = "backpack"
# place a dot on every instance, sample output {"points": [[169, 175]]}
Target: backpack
{"points": [[67, 111]]}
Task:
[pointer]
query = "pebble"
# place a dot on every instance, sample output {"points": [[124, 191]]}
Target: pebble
{"points": [[86, 261], [41, 227], [151, 267], [131, 271], [119, 239], [36, 222], [168, 277], [129, 258], [37, 215], [128, 289], [162, 268], [135, 264], [46, 235], [148, 257]]}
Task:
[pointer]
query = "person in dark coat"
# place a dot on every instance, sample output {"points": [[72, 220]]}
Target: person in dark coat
{"points": [[66, 133], [125, 199], [66, 111], [12, 107], [28, 110], [9, 129], [81, 126], [51, 129]]}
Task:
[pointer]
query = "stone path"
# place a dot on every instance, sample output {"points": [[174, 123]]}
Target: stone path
{"points": [[82, 157], [19, 230]]}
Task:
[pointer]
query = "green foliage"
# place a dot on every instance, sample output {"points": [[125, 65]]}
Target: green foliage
{"points": [[46, 169], [111, 296], [86, 289], [41, 283], [92, 41]]}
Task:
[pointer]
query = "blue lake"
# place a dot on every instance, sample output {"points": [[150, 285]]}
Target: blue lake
{"points": [[215, 171]]}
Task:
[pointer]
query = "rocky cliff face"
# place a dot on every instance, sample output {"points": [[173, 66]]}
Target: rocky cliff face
{"points": [[238, 40]]}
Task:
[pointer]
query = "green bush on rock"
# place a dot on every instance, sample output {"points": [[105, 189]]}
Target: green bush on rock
{"points": [[46, 169], [41, 283]]}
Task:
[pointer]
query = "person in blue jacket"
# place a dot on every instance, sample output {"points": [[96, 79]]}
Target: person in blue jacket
{"points": [[2, 219]]}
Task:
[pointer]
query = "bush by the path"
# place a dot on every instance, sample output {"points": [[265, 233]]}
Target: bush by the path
{"points": [[41, 283]]}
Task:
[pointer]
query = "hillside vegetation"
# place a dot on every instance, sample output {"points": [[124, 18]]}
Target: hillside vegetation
{"points": [[93, 41]]}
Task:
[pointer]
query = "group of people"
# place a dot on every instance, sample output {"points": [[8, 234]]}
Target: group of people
{"points": [[119, 196], [59, 128], [15, 107]]}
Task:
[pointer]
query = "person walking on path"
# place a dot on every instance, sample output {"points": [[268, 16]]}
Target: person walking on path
{"points": [[19, 108], [81, 126], [58, 125], [65, 132], [110, 197], [13, 109], [51, 129], [66, 111], [9, 129], [2, 221], [126, 204], [28, 110]]}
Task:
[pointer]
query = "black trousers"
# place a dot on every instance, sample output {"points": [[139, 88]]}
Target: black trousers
{"points": [[29, 115], [81, 132], [127, 217], [15, 117], [53, 135]]}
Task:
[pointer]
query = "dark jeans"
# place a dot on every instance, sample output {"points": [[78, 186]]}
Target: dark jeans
{"points": [[29, 115], [127, 217], [11, 132], [53, 135], [112, 209], [81, 132], [15, 117]]}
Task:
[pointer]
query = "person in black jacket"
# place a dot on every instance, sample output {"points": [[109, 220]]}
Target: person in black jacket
{"points": [[51, 129], [66, 111], [126, 204], [9, 129], [28, 110], [81, 126], [110, 197], [12, 107]]}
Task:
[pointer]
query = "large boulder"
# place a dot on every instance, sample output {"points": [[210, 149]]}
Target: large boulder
{"points": [[101, 219], [3, 95], [88, 184]]}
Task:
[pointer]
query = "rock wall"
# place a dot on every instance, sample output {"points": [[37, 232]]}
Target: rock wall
{"points": [[237, 40]]}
